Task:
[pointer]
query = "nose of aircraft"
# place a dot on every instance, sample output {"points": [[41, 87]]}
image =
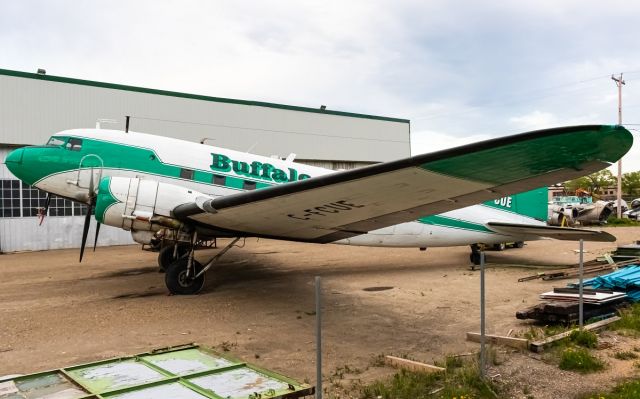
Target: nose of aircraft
{"points": [[14, 157], [14, 161]]}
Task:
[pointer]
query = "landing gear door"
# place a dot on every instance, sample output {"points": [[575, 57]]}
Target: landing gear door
{"points": [[90, 171]]}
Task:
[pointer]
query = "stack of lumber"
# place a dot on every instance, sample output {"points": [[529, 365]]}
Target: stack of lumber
{"points": [[567, 311], [625, 280], [592, 296]]}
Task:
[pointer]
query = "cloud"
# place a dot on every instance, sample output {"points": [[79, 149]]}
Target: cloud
{"points": [[459, 69]]}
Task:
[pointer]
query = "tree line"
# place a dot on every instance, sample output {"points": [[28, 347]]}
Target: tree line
{"points": [[594, 182]]}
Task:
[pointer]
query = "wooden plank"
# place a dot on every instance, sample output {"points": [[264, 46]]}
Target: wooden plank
{"points": [[412, 365], [519, 343], [538, 346]]}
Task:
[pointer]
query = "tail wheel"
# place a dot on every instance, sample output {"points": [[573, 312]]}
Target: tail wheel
{"points": [[177, 280], [519, 244]]}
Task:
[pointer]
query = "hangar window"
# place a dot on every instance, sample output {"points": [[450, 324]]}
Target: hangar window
{"points": [[32, 199], [248, 185], [60, 207], [219, 180], [74, 144], [9, 198]]}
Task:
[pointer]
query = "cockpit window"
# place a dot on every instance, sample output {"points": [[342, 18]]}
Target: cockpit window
{"points": [[56, 141], [74, 144]]}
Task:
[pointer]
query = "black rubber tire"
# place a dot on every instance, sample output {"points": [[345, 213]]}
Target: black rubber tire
{"points": [[500, 247], [165, 257], [519, 244], [176, 278]]}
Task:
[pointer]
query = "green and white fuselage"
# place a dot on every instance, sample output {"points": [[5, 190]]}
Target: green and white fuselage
{"points": [[76, 160]]}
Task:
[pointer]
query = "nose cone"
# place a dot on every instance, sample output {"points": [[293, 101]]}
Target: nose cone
{"points": [[15, 156], [14, 161]]}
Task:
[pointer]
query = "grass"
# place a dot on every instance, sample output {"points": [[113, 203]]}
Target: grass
{"points": [[461, 380], [627, 390], [627, 355], [615, 222], [629, 322], [579, 359], [586, 339]]}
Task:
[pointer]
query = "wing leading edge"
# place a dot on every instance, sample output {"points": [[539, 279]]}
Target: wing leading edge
{"points": [[344, 204]]}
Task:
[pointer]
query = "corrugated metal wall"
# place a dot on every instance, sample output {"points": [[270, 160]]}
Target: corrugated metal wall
{"points": [[34, 107]]}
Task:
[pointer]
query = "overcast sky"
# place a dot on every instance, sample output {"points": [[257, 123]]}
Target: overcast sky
{"points": [[461, 71]]}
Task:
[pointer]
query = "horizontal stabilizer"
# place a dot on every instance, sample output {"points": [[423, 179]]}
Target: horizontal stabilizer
{"points": [[559, 233]]}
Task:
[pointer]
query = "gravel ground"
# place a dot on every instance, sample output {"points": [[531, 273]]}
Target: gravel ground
{"points": [[259, 301]]}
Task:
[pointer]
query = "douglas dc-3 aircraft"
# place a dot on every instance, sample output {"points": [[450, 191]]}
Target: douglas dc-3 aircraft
{"points": [[191, 192]]}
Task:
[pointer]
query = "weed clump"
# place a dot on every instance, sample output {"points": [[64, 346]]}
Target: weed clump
{"points": [[629, 320], [461, 380], [579, 359], [586, 339], [627, 355]]}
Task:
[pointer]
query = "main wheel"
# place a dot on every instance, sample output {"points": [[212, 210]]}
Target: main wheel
{"points": [[499, 247], [165, 257], [177, 280]]}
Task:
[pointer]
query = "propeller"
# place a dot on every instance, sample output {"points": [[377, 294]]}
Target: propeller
{"points": [[47, 201], [87, 218], [95, 240]]}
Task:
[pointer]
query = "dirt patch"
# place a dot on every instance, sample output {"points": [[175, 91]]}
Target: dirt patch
{"points": [[259, 303]]}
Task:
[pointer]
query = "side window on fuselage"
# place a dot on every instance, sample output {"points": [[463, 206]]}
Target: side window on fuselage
{"points": [[219, 180], [186, 173], [56, 141], [74, 144]]}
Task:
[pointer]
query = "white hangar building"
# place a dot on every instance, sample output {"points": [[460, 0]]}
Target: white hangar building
{"points": [[33, 106]]}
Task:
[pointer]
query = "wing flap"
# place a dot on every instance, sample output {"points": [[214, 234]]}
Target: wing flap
{"points": [[558, 233]]}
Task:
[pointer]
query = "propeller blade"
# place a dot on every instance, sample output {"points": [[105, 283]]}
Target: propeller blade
{"points": [[85, 231], [91, 193], [95, 241]]}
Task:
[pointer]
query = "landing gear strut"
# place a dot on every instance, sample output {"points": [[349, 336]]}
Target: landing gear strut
{"points": [[169, 254], [185, 275], [474, 257]]}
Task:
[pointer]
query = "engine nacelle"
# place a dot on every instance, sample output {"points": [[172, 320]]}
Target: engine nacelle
{"points": [[140, 204], [558, 214]]}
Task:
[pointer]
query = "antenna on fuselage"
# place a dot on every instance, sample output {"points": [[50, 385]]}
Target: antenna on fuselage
{"points": [[99, 121], [126, 123]]}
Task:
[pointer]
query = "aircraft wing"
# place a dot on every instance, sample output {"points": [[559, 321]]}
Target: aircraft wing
{"points": [[344, 204], [559, 233]]}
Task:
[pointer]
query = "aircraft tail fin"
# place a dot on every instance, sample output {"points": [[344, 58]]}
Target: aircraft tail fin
{"points": [[530, 203]]}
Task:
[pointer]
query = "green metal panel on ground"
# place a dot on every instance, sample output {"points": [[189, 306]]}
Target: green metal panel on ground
{"points": [[184, 372]]}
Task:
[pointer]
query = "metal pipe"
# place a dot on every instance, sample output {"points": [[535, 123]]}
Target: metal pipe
{"points": [[318, 339], [482, 317]]}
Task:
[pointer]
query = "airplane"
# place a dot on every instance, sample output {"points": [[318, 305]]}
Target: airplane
{"points": [[481, 193]]}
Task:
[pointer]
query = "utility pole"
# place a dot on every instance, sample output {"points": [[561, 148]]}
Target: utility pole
{"points": [[619, 83]]}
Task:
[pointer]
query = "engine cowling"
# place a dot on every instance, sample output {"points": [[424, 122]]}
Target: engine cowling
{"points": [[140, 204]]}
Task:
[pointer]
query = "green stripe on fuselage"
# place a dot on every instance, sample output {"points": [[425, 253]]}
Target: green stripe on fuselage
{"points": [[453, 223], [54, 160]]}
